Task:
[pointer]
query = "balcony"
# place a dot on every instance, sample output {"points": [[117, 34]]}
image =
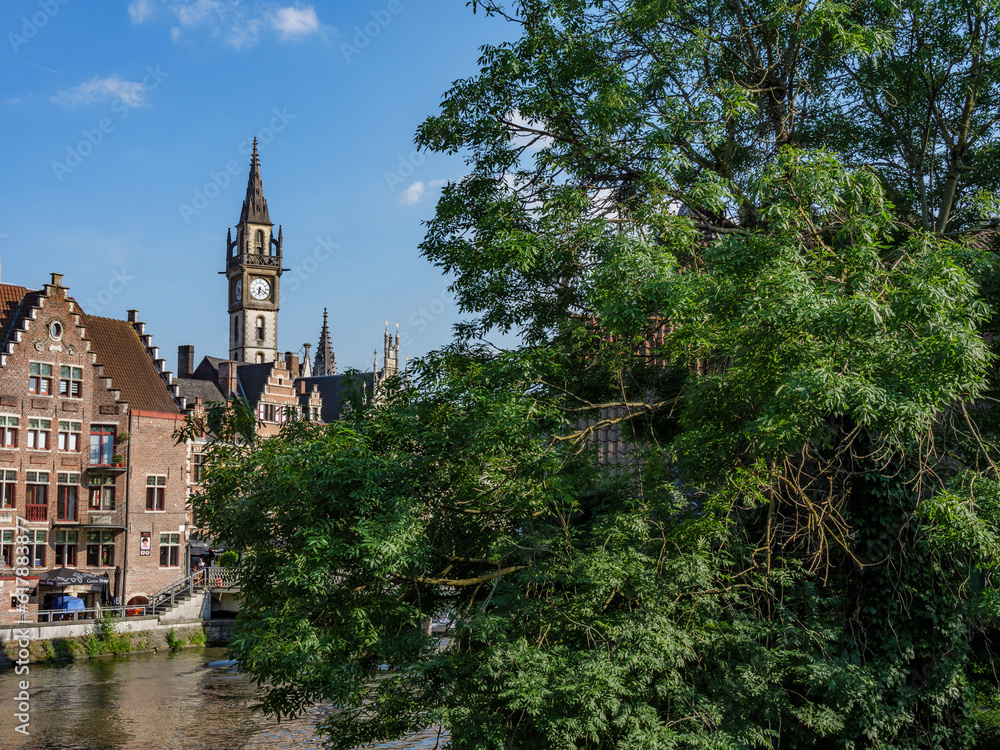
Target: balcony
{"points": [[253, 259], [104, 465], [35, 513]]}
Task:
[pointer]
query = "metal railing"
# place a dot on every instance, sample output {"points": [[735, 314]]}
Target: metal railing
{"points": [[80, 615], [212, 577], [222, 578]]}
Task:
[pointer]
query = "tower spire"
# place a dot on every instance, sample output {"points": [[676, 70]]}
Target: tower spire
{"points": [[326, 363], [254, 205]]}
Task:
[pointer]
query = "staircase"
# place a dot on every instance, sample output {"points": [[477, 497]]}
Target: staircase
{"points": [[185, 599]]}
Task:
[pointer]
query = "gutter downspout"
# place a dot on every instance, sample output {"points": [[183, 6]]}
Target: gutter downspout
{"points": [[128, 504]]}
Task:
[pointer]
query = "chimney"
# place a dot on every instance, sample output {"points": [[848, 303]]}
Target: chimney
{"points": [[292, 364], [185, 360], [133, 316], [57, 280], [227, 378]]}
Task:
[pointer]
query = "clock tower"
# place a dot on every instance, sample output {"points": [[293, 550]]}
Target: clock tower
{"points": [[253, 269]]}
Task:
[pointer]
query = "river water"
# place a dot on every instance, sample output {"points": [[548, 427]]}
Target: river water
{"points": [[155, 702]]}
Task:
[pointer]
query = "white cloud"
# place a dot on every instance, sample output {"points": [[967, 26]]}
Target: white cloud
{"points": [[237, 23], [417, 192], [141, 10], [295, 22], [243, 34], [11, 102], [196, 12], [131, 93]]}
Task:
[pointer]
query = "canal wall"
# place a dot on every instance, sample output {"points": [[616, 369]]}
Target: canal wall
{"points": [[68, 640]]}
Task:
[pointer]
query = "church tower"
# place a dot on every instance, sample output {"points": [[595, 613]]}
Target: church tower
{"points": [[253, 268]]}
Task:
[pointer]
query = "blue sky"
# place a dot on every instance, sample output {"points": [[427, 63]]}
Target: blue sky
{"points": [[120, 123]]}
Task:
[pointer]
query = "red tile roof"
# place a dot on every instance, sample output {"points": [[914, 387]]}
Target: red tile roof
{"points": [[128, 364], [10, 299]]}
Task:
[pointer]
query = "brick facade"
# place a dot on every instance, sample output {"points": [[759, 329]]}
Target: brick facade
{"points": [[65, 418]]}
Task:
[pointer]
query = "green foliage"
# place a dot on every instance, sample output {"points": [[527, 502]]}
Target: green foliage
{"points": [[722, 235], [47, 651], [106, 637], [173, 642], [198, 638], [229, 559]]}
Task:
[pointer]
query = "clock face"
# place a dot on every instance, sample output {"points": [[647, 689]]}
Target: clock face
{"points": [[260, 289], [238, 290]]}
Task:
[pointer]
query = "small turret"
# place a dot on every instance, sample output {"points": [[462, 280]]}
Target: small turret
{"points": [[326, 363]]}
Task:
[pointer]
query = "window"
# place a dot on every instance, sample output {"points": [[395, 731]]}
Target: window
{"points": [[236, 330], [38, 434], [260, 242], [40, 380], [102, 493], [269, 412], [36, 548], [68, 495], [8, 432], [197, 467], [35, 541], [100, 549], [102, 444], [7, 548], [170, 550], [69, 436], [65, 544], [37, 495], [260, 358], [55, 330], [260, 327], [71, 382], [8, 488], [155, 492]]}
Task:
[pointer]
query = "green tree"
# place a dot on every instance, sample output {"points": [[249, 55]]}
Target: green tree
{"points": [[708, 241]]}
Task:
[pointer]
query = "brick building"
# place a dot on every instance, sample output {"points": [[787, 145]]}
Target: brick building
{"points": [[89, 470]]}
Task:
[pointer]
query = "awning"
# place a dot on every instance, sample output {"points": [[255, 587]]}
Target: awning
{"points": [[69, 577], [200, 548]]}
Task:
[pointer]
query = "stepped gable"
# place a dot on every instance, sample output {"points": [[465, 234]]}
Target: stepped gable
{"points": [[127, 362]]}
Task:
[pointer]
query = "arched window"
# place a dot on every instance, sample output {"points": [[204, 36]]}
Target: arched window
{"points": [[260, 358], [260, 327], [260, 242]]}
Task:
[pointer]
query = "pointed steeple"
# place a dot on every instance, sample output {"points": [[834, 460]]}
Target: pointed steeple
{"points": [[326, 363], [306, 369], [254, 205]]}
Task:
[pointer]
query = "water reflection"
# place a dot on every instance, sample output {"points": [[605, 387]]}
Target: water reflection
{"points": [[154, 702]]}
